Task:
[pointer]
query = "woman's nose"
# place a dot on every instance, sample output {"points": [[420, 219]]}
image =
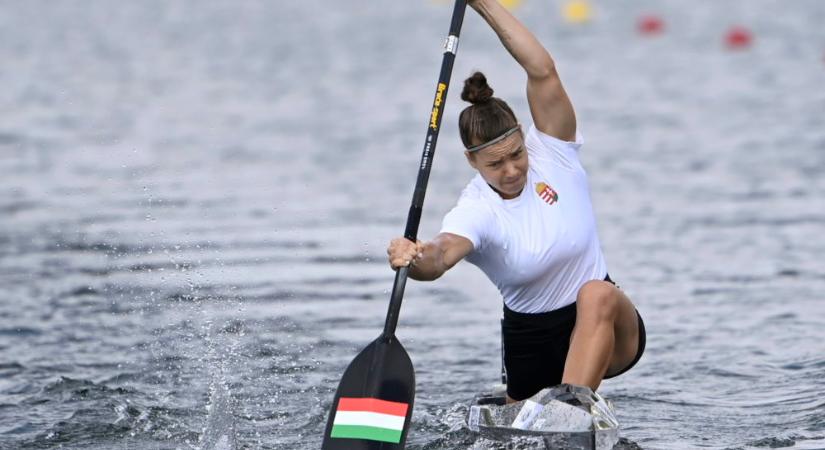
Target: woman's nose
{"points": [[510, 170]]}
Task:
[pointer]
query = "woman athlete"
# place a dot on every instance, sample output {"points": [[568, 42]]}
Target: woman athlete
{"points": [[526, 220]]}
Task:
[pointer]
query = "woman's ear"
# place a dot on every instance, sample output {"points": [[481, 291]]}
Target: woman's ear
{"points": [[471, 158]]}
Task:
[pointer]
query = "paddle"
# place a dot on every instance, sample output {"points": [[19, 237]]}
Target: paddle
{"points": [[374, 400]]}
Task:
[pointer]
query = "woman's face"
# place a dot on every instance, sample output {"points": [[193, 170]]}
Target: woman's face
{"points": [[503, 165]]}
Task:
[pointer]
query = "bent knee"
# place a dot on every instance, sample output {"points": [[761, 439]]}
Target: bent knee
{"points": [[599, 300]]}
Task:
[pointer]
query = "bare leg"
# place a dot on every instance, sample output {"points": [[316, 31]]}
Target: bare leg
{"points": [[606, 336]]}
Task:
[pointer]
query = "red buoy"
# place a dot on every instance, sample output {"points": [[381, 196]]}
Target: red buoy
{"points": [[738, 38], [650, 25]]}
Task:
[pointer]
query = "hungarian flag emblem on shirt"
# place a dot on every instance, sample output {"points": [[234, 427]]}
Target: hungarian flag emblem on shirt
{"points": [[369, 418], [547, 193]]}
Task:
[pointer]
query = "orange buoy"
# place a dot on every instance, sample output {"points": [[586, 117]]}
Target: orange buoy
{"points": [[650, 25], [738, 38]]}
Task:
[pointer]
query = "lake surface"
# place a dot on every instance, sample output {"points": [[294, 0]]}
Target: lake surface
{"points": [[197, 195]]}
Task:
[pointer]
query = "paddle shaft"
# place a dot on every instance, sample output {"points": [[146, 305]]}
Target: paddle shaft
{"points": [[414, 216]]}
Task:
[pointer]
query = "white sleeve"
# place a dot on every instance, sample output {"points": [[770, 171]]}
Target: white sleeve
{"points": [[545, 147], [469, 219]]}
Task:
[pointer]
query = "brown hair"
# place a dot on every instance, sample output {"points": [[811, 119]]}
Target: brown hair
{"points": [[487, 118]]}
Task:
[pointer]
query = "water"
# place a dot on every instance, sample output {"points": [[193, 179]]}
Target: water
{"points": [[197, 197]]}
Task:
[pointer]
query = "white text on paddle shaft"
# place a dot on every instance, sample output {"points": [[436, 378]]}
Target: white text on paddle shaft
{"points": [[425, 160]]}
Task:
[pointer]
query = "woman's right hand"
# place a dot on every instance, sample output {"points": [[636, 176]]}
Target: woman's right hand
{"points": [[402, 252]]}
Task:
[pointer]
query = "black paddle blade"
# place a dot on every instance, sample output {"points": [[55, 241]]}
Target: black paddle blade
{"points": [[374, 401]]}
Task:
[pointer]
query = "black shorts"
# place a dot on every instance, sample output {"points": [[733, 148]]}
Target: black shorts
{"points": [[536, 346]]}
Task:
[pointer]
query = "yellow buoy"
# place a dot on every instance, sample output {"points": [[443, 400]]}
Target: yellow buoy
{"points": [[511, 4], [577, 11]]}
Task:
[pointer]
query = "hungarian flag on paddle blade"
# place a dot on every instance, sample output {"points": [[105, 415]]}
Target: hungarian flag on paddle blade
{"points": [[369, 418]]}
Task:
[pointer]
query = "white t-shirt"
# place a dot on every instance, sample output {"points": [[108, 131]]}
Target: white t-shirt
{"points": [[542, 246]]}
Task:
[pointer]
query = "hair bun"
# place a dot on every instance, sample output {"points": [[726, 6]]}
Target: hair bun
{"points": [[476, 90]]}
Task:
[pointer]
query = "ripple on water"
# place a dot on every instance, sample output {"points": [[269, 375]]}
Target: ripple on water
{"points": [[21, 332]]}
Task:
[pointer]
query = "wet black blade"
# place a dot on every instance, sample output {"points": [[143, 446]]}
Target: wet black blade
{"points": [[378, 388]]}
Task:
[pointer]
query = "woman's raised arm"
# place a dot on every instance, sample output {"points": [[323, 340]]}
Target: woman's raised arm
{"points": [[549, 105]]}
